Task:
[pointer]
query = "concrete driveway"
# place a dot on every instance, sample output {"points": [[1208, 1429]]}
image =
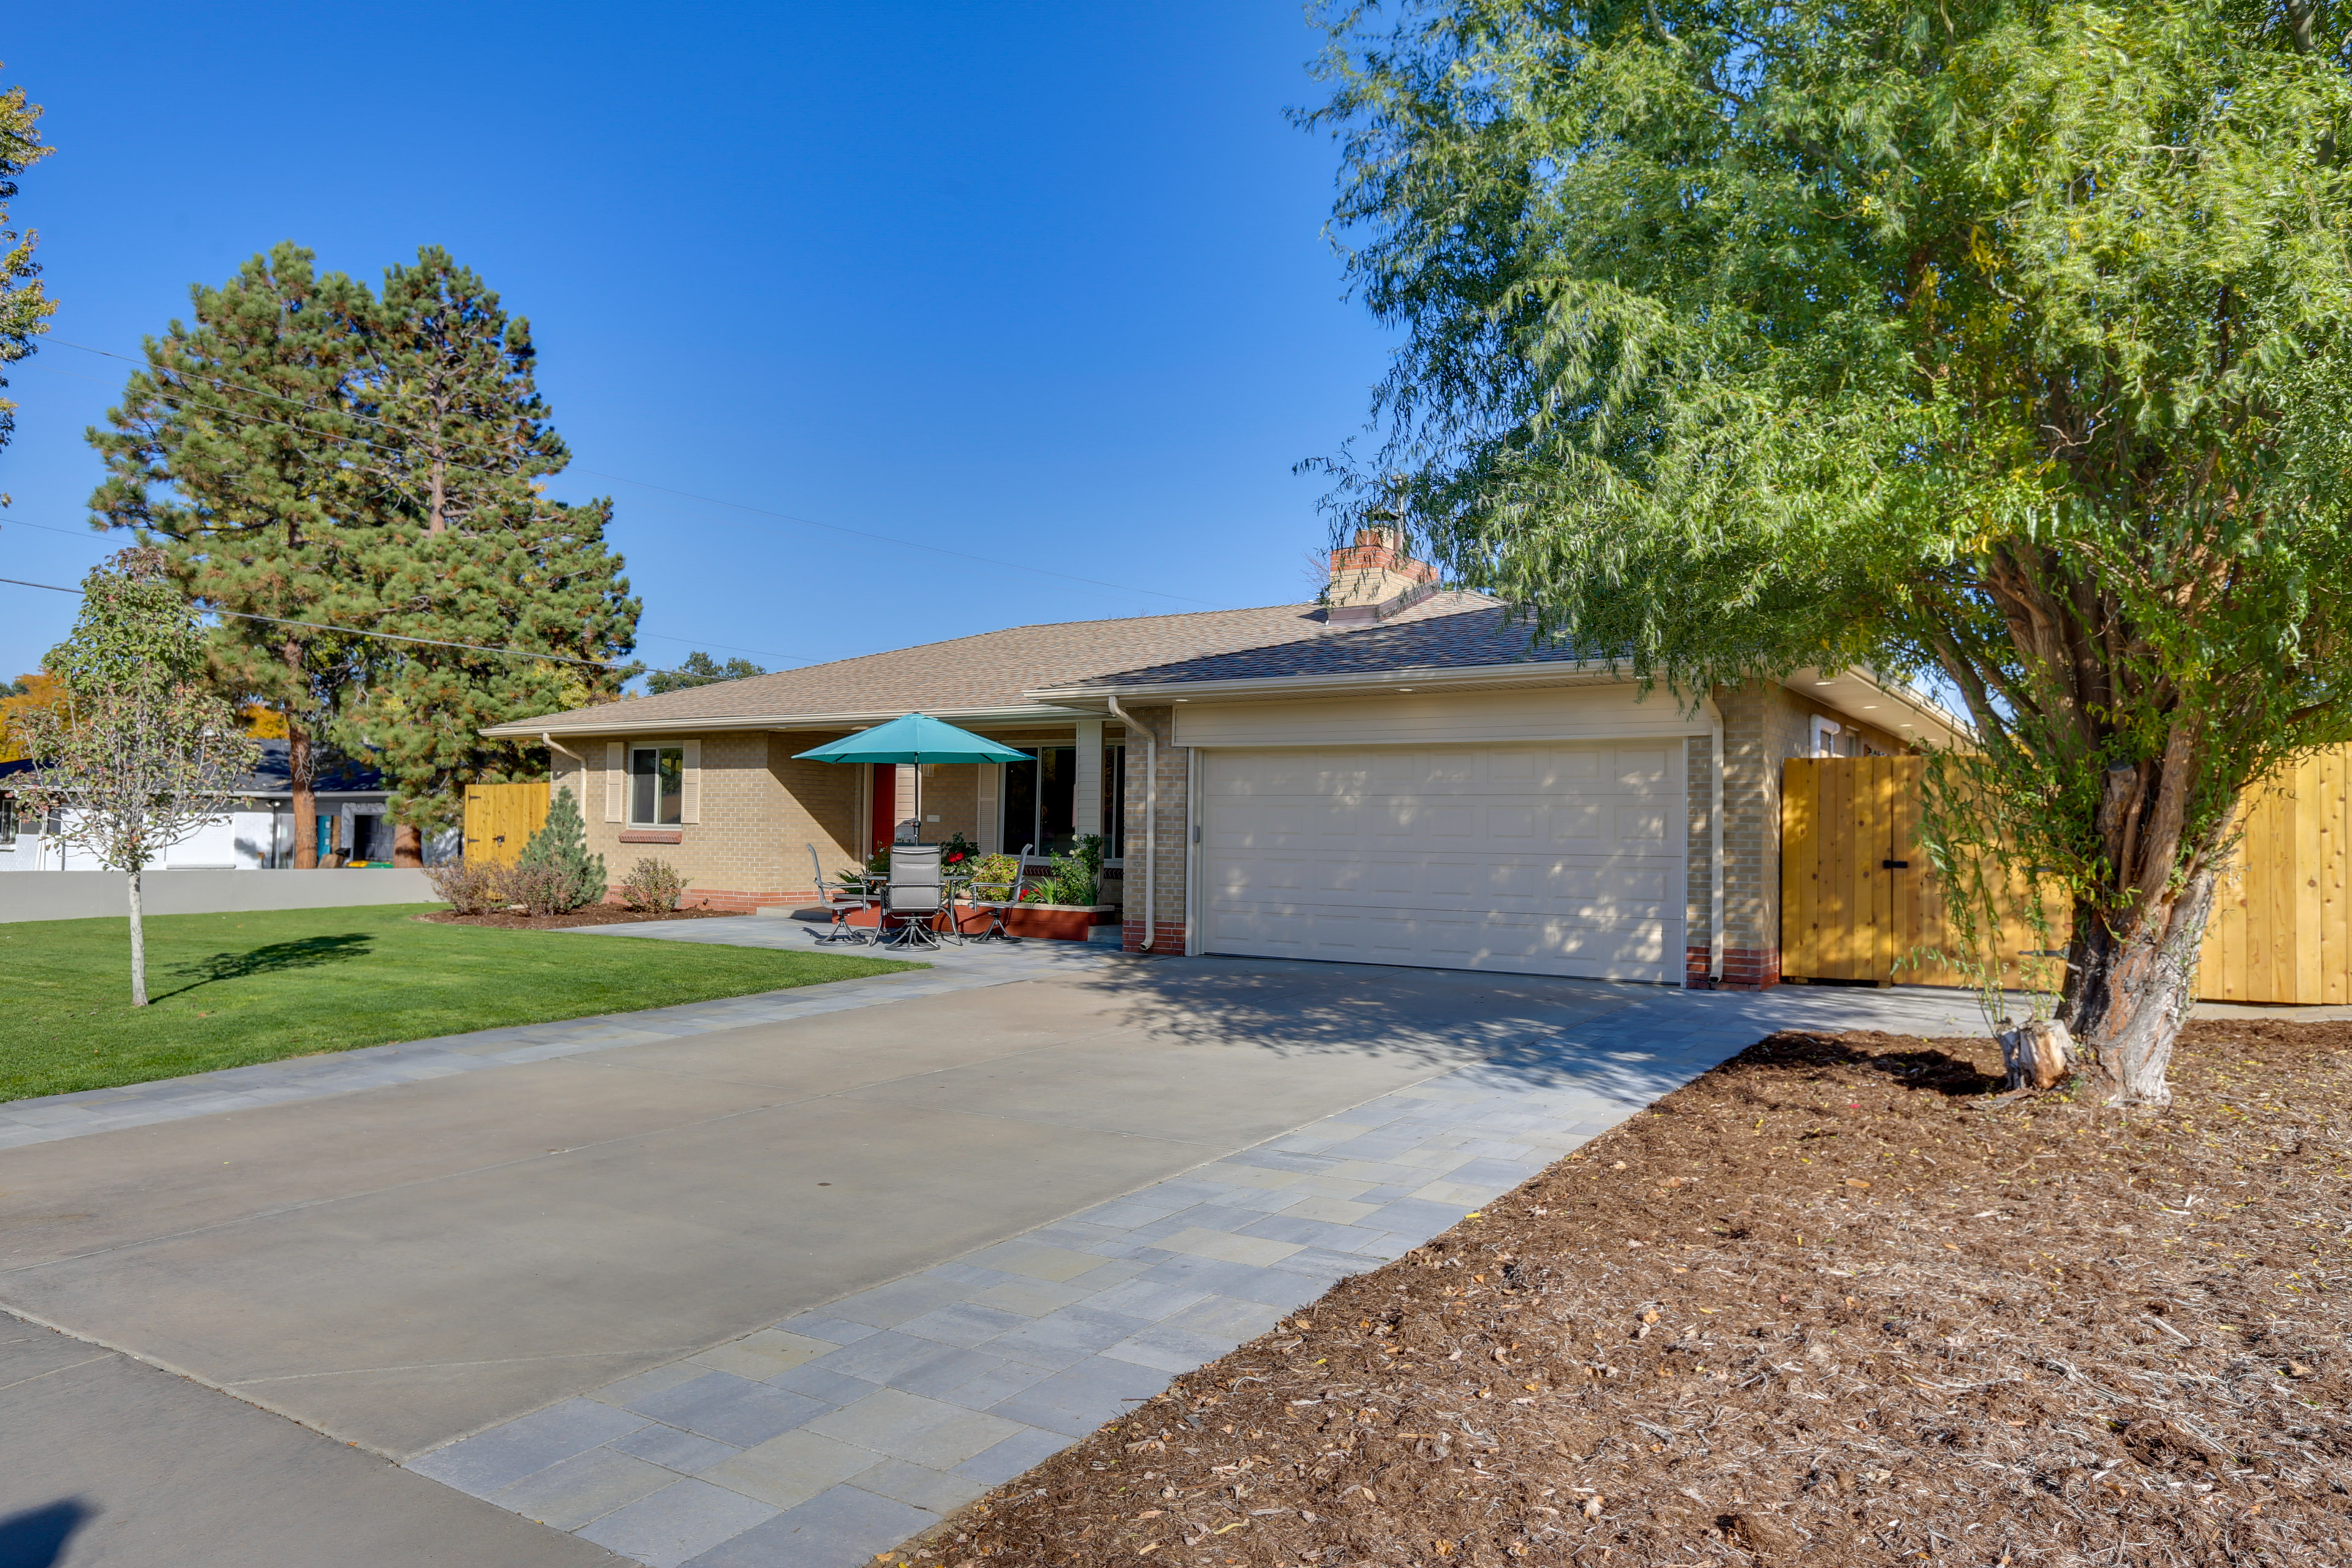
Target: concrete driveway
{"points": [[400, 1267]]}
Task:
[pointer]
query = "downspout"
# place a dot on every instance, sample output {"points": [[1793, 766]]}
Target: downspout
{"points": [[1150, 818], [1715, 851]]}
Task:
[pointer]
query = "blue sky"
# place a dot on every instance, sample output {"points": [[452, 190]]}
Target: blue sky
{"points": [[1041, 283]]}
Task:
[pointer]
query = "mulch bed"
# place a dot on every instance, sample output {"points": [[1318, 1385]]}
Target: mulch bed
{"points": [[1834, 1302], [594, 915]]}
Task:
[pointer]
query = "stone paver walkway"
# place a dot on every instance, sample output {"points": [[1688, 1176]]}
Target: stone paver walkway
{"points": [[828, 1436], [52, 1117]]}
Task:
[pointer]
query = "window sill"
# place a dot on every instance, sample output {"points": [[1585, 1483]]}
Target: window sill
{"points": [[652, 836]]}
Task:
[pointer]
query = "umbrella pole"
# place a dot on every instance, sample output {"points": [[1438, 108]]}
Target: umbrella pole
{"points": [[918, 797]]}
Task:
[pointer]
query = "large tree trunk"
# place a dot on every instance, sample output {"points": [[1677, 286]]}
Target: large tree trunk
{"points": [[408, 844], [300, 769], [2131, 991], [138, 947]]}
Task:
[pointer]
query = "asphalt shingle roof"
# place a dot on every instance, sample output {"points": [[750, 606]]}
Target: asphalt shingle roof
{"points": [[1469, 638], [993, 669]]}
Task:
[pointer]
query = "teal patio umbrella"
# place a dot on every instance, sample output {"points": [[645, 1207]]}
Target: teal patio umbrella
{"points": [[916, 739]]}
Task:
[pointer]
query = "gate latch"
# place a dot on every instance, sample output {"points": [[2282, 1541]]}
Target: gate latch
{"points": [[1894, 865]]}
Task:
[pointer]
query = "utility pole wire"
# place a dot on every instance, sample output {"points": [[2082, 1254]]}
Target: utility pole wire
{"points": [[355, 632], [594, 473]]}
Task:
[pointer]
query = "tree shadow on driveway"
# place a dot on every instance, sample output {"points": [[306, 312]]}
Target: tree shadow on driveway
{"points": [[273, 958], [36, 1537], [1542, 1030]]}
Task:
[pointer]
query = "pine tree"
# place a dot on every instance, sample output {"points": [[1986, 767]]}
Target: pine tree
{"points": [[699, 669], [233, 451], [23, 306], [471, 551], [560, 844]]}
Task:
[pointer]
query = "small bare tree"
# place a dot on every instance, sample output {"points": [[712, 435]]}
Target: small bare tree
{"points": [[140, 752]]}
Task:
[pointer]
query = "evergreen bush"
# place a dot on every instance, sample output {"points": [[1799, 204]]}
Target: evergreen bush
{"points": [[560, 847]]}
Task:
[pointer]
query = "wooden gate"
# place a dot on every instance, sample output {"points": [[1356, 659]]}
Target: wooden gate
{"points": [[500, 818], [1857, 902], [2278, 932]]}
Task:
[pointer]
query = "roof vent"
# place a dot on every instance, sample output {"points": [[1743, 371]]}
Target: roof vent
{"points": [[1374, 579]]}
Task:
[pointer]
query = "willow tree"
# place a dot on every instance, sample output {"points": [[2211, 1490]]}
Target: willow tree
{"points": [[1999, 342]]}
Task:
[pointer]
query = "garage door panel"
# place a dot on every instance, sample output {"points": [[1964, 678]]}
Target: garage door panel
{"points": [[1556, 858], [1641, 822]]}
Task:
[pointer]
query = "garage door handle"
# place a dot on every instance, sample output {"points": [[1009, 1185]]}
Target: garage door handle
{"points": [[1894, 865]]}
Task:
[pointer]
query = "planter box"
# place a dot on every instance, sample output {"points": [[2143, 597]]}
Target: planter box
{"points": [[1058, 922], [1053, 923]]}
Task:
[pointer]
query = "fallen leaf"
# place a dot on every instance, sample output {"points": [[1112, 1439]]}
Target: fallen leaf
{"points": [[1855, 1182]]}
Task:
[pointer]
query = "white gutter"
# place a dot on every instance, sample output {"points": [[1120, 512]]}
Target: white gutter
{"points": [[1714, 852], [551, 744], [1150, 817], [622, 723]]}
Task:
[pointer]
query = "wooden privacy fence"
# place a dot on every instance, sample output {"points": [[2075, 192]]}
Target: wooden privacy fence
{"points": [[500, 819], [1857, 898]]}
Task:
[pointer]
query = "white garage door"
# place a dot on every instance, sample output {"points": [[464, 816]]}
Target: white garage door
{"points": [[1560, 858]]}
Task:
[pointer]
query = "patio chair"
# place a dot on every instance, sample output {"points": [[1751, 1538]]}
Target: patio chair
{"points": [[833, 894], [993, 898], [916, 892]]}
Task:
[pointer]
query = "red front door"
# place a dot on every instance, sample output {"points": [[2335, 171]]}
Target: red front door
{"points": [[883, 812]]}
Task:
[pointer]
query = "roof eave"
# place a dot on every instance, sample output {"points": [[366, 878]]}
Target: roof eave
{"points": [[531, 728], [1918, 718]]}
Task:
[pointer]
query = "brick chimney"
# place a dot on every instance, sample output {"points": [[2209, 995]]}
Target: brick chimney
{"points": [[1374, 579]]}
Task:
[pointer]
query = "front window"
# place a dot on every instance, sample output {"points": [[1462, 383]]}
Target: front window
{"points": [[656, 785], [1114, 804], [1041, 801]]}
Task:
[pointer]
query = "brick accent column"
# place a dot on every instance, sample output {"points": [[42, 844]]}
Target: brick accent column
{"points": [[1173, 766], [1758, 724]]}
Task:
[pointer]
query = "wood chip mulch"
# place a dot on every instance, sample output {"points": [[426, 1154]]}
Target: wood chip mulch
{"points": [[1836, 1302], [594, 915]]}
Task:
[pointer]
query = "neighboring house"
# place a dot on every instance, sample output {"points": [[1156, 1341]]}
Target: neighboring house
{"points": [[1394, 776], [257, 834]]}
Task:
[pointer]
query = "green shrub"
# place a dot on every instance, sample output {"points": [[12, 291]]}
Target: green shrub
{"points": [[561, 873], [1075, 875], [652, 884]]}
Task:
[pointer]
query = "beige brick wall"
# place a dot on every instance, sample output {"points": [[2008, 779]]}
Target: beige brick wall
{"points": [[1173, 766], [1698, 846], [952, 794], [760, 810]]}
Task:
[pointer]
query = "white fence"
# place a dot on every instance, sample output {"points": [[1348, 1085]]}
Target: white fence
{"points": [[79, 895]]}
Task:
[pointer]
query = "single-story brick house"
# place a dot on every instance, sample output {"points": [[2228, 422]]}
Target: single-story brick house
{"points": [[1393, 775]]}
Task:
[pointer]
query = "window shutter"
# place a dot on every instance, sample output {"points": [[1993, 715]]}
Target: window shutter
{"points": [[689, 792], [616, 780]]}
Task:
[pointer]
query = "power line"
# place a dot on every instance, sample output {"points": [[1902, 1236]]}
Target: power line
{"points": [[621, 479], [7, 522], [355, 632]]}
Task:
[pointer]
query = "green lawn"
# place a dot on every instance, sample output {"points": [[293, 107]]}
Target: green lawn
{"points": [[237, 988]]}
